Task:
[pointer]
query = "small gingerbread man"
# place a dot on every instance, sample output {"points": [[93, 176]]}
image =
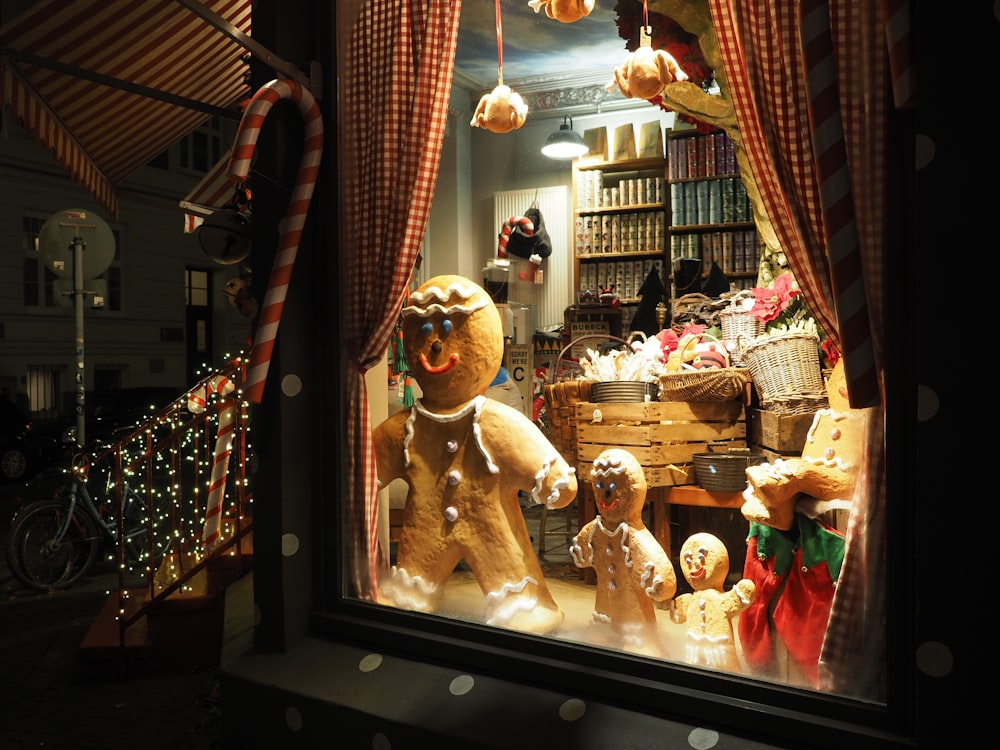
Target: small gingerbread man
{"points": [[709, 610], [633, 570]]}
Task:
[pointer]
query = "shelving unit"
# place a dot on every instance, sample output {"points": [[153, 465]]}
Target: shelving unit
{"points": [[621, 225], [710, 212]]}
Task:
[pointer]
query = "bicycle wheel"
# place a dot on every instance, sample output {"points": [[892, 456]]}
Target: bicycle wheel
{"points": [[35, 554]]}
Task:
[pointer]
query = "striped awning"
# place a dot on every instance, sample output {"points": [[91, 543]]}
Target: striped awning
{"points": [[212, 192], [107, 85]]}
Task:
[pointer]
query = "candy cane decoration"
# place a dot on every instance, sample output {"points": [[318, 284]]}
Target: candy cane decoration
{"points": [[527, 226], [197, 403], [290, 227]]}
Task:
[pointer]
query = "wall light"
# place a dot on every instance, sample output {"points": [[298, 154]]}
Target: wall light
{"points": [[565, 143]]}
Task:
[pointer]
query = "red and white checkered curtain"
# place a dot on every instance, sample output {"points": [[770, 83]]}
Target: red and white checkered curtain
{"points": [[819, 68], [398, 74]]}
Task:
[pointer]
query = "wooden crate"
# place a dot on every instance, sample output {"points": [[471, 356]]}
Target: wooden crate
{"points": [[784, 434], [662, 435]]}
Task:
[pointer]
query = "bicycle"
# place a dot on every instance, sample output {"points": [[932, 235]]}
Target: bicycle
{"points": [[54, 542]]}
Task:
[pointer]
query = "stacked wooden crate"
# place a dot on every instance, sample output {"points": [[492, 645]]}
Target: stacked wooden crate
{"points": [[662, 435]]}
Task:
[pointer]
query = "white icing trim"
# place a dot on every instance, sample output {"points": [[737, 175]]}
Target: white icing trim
{"points": [[424, 308], [475, 405]]}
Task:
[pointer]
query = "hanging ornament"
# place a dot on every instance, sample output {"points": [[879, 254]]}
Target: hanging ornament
{"points": [[566, 11], [646, 72], [503, 109]]}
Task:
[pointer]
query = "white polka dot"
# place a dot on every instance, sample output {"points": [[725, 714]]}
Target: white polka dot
{"points": [[925, 150], [928, 403], [370, 663], [289, 544], [934, 659], [380, 742], [291, 385], [462, 685], [293, 718], [572, 709], [703, 739]]}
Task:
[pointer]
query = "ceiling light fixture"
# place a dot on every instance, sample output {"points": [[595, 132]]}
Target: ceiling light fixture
{"points": [[565, 143]]}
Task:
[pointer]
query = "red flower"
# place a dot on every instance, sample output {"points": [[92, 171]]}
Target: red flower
{"points": [[770, 302], [831, 353]]}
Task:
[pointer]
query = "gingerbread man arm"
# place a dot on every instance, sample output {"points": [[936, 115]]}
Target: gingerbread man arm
{"points": [[679, 608], [581, 550], [740, 596], [658, 578]]}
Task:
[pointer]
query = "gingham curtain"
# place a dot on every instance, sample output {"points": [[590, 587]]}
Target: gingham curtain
{"points": [[398, 75], [818, 67]]}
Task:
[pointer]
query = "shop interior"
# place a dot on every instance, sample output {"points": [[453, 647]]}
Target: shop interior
{"points": [[649, 238]]}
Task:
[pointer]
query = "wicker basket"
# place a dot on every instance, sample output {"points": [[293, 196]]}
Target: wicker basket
{"points": [[562, 396], [740, 327], [784, 365], [709, 384]]}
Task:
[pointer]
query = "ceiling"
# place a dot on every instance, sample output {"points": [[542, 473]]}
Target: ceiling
{"points": [[555, 66], [78, 74]]}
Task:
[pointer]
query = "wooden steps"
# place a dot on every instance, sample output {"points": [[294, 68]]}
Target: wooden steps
{"points": [[179, 633]]}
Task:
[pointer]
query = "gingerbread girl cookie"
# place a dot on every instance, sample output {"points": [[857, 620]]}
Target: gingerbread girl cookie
{"points": [[632, 568], [465, 458], [709, 611]]}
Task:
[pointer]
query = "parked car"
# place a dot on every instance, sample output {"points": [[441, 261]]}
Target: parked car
{"points": [[24, 451]]}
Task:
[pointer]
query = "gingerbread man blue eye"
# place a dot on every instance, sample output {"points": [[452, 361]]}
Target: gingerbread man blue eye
{"points": [[446, 325], [426, 328]]}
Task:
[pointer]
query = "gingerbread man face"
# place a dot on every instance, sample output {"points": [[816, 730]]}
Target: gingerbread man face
{"points": [[705, 562], [453, 340], [619, 484]]}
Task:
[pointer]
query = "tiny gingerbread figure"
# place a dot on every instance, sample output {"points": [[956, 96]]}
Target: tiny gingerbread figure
{"points": [[465, 458], [709, 610], [633, 571]]}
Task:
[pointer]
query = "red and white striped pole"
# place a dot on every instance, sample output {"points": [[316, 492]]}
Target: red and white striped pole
{"points": [[197, 403], [527, 226], [291, 225]]}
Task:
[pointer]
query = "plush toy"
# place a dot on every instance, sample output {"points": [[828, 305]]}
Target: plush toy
{"points": [[646, 72], [466, 459], [709, 610], [632, 568], [566, 11], [500, 111]]}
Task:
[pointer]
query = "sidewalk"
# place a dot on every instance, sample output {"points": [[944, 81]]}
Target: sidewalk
{"points": [[47, 700]]}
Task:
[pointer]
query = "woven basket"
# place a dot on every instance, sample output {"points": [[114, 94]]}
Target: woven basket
{"points": [[783, 365], [725, 472], [799, 403], [562, 396], [691, 308], [709, 384], [739, 326]]}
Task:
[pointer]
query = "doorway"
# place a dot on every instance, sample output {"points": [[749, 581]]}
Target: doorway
{"points": [[198, 317]]}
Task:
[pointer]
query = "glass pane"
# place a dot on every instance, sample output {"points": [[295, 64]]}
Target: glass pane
{"points": [[705, 532]]}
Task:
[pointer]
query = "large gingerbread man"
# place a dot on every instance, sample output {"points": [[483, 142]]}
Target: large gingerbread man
{"points": [[632, 568], [465, 458], [709, 610]]}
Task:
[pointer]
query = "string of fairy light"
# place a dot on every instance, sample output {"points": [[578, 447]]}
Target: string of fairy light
{"points": [[167, 461]]}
